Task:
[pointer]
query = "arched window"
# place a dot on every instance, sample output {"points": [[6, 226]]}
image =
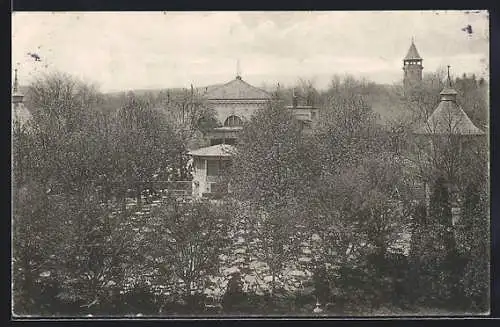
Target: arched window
{"points": [[233, 121]]}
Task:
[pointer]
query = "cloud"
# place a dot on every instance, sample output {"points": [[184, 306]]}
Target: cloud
{"points": [[143, 49]]}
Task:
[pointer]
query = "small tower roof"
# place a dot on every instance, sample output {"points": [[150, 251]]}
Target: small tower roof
{"points": [[449, 118], [412, 53], [448, 92]]}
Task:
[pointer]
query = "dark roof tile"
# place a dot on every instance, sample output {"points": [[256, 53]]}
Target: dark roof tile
{"points": [[413, 53], [449, 118]]}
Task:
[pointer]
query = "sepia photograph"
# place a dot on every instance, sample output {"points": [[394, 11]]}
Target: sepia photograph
{"points": [[250, 164]]}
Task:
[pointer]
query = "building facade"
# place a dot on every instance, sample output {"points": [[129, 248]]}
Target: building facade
{"points": [[236, 101], [209, 169]]}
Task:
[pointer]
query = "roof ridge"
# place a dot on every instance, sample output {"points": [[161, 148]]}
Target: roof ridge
{"points": [[462, 123], [237, 89], [221, 85], [255, 87]]}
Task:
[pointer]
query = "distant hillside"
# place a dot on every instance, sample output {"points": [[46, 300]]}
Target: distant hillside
{"points": [[387, 101], [141, 92], [172, 91]]}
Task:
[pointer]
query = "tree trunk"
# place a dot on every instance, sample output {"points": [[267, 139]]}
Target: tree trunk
{"points": [[273, 284]]}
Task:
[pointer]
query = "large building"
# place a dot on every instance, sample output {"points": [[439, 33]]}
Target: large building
{"points": [[234, 103]]}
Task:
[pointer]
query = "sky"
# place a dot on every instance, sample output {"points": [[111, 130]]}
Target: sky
{"points": [[149, 50]]}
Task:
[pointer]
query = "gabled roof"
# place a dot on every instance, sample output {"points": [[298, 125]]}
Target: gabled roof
{"points": [[449, 118], [207, 89], [219, 150], [235, 90], [412, 53]]}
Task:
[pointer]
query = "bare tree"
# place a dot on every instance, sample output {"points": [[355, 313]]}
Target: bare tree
{"points": [[184, 244]]}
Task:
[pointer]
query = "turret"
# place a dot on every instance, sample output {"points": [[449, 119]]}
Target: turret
{"points": [[20, 115], [412, 67]]}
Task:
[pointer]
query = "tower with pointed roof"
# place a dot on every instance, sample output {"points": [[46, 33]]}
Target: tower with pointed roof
{"points": [[451, 135], [20, 114], [449, 118], [412, 67]]}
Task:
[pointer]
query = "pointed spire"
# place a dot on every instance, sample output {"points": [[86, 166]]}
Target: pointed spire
{"points": [[238, 69], [17, 96], [448, 93], [449, 118], [294, 98], [412, 52], [16, 84], [449, 78]]}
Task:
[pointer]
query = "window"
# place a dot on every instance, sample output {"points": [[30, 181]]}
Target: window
{"points": [[233, 121], [216, 141], [217, 167], [212, 168]]}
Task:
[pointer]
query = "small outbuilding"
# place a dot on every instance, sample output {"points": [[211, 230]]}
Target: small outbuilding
{"points": [[210, 166]]}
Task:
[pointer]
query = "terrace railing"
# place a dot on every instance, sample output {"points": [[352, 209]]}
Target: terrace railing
{"points": [[178, 187], [175, 187]]}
